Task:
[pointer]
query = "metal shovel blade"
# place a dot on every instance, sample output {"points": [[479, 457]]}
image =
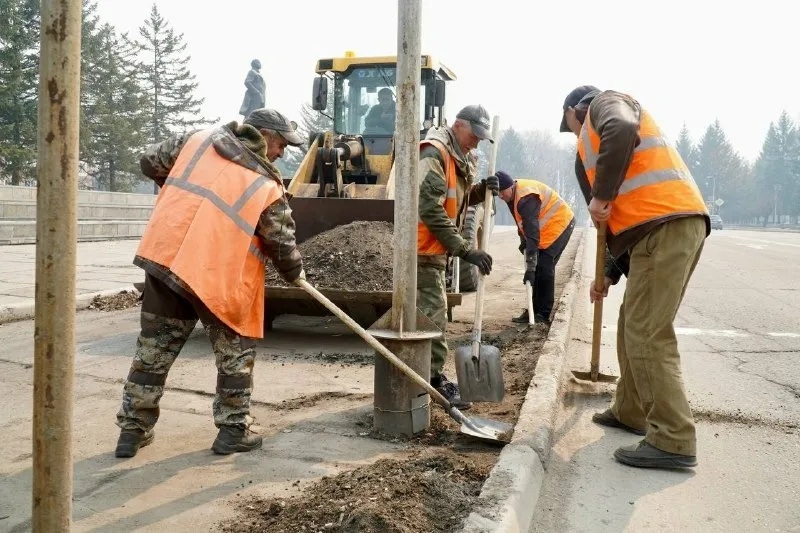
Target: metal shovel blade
{"points": [[587, 376], [483, 428], [480, 379]]}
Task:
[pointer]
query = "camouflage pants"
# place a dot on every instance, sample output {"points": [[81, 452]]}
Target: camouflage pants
{"points": [[167, 320], [432, 301]]}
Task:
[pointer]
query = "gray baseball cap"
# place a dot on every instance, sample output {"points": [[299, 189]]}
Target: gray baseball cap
{"points": [[478, 118], [272, 120]]}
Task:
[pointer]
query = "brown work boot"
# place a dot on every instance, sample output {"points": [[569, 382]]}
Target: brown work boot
{"points": [[607, 418], [645, 455], [130, 440], [232, 439]]}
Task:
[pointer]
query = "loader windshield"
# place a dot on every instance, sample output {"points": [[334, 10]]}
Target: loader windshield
{"points": [[365, 100]]}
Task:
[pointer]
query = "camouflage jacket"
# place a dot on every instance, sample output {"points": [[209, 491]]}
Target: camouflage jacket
{"points": [[433, 190], [275, 228]]}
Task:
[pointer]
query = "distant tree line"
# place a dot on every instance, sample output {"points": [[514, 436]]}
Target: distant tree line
{"points": [[134, 91]]}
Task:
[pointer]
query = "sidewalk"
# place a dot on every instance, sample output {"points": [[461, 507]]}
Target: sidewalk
{"points": [[101, 266]]}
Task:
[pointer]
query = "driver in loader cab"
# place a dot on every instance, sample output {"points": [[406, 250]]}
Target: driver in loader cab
{"points": [[446, 187], [222, 214], [381, 116]]}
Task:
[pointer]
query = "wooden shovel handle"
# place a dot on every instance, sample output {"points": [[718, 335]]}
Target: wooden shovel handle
{"points": [[599, 276], [483, 245], [373, 342]]}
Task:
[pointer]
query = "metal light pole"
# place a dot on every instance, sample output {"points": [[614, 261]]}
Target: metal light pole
{"points": [[56, 230], [402, 407]]}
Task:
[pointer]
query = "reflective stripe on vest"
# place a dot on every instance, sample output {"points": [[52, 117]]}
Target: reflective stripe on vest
{"points": [[657, 183], [554, 213], [203, 230], [427, 243]]}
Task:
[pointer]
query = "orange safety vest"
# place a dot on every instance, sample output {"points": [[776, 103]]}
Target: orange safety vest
{"points": [[203, 230], [427, 243], [554, 214], [657, 184]]}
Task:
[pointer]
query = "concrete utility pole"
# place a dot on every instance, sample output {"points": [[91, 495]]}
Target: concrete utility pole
{"points": [[402, 407], [56, 233], [406, 143]]}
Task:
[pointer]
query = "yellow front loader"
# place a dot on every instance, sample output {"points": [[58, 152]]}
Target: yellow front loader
{"points": [[347, 173]]}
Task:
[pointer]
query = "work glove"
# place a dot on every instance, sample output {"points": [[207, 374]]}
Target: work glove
{"points": [[522, 246], [530, 277], [493, 184], [480, 259], [294, 274]]}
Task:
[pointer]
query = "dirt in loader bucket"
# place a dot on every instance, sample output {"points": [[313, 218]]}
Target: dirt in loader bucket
{"points": [[430, 491], [356, 257]]}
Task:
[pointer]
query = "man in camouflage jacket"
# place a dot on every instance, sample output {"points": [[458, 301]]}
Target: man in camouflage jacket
{"points": [[170, 310], [471, 126]]}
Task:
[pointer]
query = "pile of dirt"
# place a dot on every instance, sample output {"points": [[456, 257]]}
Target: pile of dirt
{"points": [[356, 257], [115, 302], [434, 492]]}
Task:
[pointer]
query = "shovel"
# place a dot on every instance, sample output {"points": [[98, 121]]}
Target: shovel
{"points": [[529, 294], [594, 374], [482, 428], [478, 367]]}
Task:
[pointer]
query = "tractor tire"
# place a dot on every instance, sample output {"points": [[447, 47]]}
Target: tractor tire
{"points": [[468, 273]]}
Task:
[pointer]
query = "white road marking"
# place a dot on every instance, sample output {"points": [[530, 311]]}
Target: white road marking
{"points": [[730, 333], [753, 246], [758, 241]]}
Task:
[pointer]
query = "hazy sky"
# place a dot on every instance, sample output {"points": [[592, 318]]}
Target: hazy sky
{"points": [[685, 60]]}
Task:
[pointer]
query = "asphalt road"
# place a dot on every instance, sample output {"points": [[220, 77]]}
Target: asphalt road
{"points": [[739, 336]]}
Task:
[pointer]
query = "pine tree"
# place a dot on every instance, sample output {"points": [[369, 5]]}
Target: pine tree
{"points": [[170, 85], [512, 156], [686, 149], [777, 169], [19, 75], [114, 111], [722, 173]]}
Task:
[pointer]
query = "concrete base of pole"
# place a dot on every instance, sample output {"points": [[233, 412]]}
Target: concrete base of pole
{"points": [[401, 406]]}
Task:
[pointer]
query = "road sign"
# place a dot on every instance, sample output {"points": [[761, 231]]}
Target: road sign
{"points": [[719, 202]]}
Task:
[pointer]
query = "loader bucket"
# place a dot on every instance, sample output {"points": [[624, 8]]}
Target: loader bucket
{"points": [[315, 215]]}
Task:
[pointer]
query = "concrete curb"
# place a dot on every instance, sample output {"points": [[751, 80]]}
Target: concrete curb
{"points": [[26, 311], [510, 493]]}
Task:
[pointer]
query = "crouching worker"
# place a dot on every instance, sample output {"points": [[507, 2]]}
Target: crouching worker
{"points": [[221, 212], [544, 223]]}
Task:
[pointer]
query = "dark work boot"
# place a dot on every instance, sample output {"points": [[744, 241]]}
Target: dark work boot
{"points": [[450, 390], [607, 418], [232, 439], [645, 455], [521, 319], [130, 440]]}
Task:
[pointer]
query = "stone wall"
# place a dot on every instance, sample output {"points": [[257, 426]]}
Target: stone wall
{"points": [[101, 215]]}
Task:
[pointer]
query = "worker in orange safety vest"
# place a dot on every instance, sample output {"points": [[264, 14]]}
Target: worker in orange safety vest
{"points": [[544, 223], [635, 181], [222, 214]]}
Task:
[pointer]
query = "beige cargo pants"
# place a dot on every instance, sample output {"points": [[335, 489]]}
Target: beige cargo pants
{"points": [[650, 393]]}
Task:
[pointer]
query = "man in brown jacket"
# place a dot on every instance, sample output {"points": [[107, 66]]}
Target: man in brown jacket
{"points": [[636, 182]]}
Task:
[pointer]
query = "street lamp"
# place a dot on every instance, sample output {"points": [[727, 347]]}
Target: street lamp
{"points": [[775, 204], [713, 180], [714, 187]]}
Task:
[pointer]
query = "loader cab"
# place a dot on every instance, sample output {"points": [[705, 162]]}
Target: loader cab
{"points": [[364, 97]]}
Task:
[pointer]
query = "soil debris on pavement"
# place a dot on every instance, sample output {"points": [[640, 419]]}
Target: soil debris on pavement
{"points": [[356, 257], [116, 302], [433, 492]]}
